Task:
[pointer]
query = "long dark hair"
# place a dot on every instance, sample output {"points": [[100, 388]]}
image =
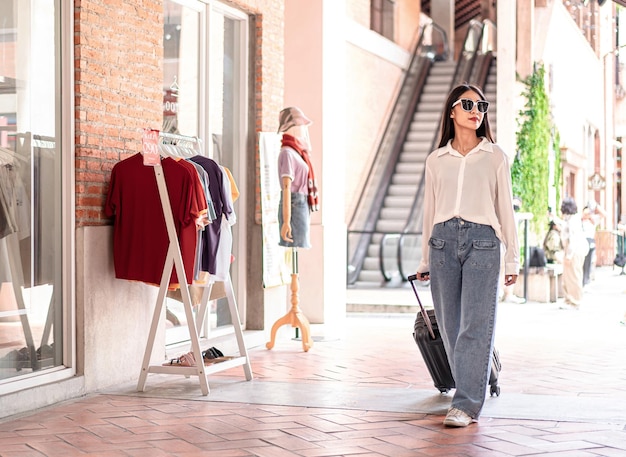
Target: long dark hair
{"points": [[447, 125]]}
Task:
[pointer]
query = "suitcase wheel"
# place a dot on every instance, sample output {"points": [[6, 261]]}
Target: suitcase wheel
{"points": [[443, 390], [495, 390]]}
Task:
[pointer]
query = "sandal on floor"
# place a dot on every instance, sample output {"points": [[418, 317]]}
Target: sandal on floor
{"points": [[185, 360], [219, 359], [210, 354]]}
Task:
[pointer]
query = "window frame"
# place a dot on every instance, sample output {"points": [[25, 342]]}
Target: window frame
{"points": [[64, 101]]}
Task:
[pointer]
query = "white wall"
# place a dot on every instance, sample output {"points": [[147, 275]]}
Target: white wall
{"points": [[577, 91]]}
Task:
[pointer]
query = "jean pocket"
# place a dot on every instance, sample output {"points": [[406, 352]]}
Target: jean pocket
{"points": [[437, 254], [485, 254], [485, 244]]}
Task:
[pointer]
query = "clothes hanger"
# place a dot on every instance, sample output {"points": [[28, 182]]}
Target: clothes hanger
{"points": [[198, 147], [174, 86]]}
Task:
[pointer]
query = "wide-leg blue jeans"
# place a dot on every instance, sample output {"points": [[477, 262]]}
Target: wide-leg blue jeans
{"points": [[464, 273]]}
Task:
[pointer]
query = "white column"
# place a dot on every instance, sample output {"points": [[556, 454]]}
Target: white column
{"points": [[506, 87], [442, 14], [315, 82]]}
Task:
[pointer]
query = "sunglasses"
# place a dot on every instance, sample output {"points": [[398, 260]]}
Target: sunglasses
{"points": [[468, 104]]}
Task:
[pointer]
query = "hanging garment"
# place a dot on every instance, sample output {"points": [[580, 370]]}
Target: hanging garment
{"points": [[223, 206], [289, 141], [292, 165], [225, 245], [234, 190], [140, 239]]}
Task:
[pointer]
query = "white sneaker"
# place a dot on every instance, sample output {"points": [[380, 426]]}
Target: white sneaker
{"points": [[457, 418], [514, 299]]}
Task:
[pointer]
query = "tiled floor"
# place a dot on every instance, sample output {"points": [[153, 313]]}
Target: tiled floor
{"points": [[368, 394]]}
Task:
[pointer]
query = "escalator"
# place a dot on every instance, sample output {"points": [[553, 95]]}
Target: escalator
{"points": [[384, 246]]}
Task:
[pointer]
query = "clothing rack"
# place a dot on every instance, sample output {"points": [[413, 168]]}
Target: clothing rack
{"points": [[17, 280], [26, 142], [181, 141], [49, 143], [174, 259]]}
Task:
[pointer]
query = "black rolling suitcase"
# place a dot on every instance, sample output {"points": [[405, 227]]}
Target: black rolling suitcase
{"points": [[428, 339]]}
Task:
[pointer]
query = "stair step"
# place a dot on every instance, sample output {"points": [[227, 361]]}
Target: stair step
{"points": [[419, 142], [394, 213], [396, 201], [371, 277], [391, 225], [371, 264], [421, 118], [416, 137], [409, 170], [433, 97], [402, 190], [408, 179]]}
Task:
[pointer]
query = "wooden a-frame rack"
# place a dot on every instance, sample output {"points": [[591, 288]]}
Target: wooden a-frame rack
{"points": [[174, 259]]}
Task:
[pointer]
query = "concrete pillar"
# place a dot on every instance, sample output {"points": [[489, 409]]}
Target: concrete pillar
{"points": [[525, 37], [442, 14], [506, 90], [315, 82]]}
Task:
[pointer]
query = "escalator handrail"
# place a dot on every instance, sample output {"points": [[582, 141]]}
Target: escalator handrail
{"points": [[414, 60], [468, 53], [388, 150]]}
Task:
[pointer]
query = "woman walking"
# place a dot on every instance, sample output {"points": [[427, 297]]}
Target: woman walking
{"points": [[468, 221]]}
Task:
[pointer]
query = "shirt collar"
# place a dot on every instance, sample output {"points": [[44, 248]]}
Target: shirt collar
{"points": [[484, 144]]}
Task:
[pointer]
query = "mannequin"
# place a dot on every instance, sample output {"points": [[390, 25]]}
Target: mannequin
{"points": [[298, 199]]}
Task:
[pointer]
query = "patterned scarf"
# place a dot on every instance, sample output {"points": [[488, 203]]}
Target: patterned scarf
{"points": [[295, 144]]}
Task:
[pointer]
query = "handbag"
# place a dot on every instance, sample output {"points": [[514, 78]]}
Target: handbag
{"points": [[537, 257]]}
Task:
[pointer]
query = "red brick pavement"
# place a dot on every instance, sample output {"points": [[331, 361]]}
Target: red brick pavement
{"points": [[544, 350]]}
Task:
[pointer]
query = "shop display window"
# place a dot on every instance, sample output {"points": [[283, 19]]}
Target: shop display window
{"points": [[31, 273]]}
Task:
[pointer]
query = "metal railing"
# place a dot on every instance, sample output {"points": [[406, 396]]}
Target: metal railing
{"points": [[478, 40], [431, 45], [473, 67]]}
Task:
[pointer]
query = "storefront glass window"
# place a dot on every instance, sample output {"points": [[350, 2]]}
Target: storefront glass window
{"points": [[181, 69], [31, 296], [204, 47]]}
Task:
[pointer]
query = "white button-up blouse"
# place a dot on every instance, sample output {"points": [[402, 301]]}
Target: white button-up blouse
{"points": [[475, 187]]}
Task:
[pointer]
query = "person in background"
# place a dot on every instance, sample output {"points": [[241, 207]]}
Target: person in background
{"points": [[575, 248], [621, 230], [552, 244], [468, 215], [591, 217]]}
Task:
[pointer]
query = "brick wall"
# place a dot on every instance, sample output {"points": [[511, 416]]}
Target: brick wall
{"points": [[118, 77], [268, 66], [269, 76], [118, 84]]}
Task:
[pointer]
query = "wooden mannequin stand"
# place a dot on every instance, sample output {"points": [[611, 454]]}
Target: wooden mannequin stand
{"points": [[295, 317]]}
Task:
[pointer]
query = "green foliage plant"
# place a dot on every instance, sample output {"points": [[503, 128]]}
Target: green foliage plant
{"points": [[530, 169], [558, 168]]}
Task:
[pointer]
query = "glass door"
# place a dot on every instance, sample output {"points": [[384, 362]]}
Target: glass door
{"points": [[227, 126], [205, 94], [31, 218]]}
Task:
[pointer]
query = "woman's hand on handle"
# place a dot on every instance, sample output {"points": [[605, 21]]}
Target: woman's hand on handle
{"points": [[425, 276]]}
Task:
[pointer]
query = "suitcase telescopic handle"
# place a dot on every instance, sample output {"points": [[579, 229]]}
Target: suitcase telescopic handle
{"points": [[412, 280]]}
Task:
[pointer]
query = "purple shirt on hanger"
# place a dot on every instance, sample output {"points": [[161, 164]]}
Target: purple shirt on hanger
{"points": [[211, 234]]}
